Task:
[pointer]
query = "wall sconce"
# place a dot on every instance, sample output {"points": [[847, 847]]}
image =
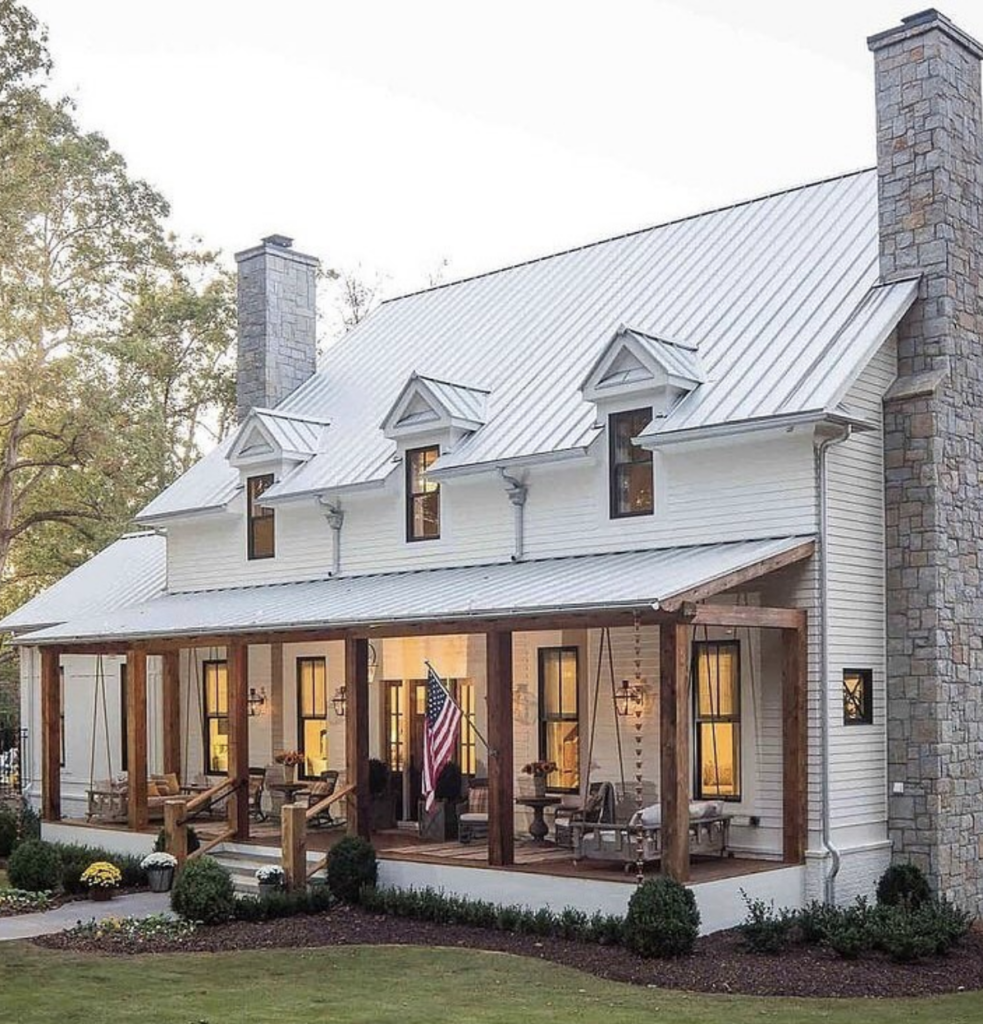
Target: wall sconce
{"points": [[627, 698], [340, 701], [256, 700]]}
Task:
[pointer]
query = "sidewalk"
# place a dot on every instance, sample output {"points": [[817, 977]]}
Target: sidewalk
{"points": [[27, 926]]}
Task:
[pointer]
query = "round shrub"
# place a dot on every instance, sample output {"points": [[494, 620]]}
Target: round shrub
{"points": [[351, 864], [9, 827], [203, 892], [662, 919], [34, 866], [903, 885]]}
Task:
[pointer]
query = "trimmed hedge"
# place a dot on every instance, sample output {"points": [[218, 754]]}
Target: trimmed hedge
{"points": [[351, 867], [203, 892], [272, 905], [662, 920], [76, 857]]}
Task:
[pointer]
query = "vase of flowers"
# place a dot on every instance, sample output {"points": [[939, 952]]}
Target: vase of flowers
{"points": [[102, 879], [160, 869], [289, 759], [538, 770], [270, 879]]}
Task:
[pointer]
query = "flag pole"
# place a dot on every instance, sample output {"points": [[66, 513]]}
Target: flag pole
{"points": [[471, 724]]}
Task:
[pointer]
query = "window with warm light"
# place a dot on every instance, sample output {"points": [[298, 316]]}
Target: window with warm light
{"points": [[422, 495], [394, 725], [216, 680], [260, 521], [312, 715], [632, 475], [717, 699], [559, 716], [467, 752], [858, 703]]}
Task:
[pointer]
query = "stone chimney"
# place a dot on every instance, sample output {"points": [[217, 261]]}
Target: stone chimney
{"points": [[927, 75], [275, 301]]}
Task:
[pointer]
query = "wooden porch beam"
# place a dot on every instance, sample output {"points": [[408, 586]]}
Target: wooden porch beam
{"points": [[357, 735], [674, 749], [170, 698], [50, 734], [237, 659], [501, 805], [741, 616], [795, 744], [136, 739]]}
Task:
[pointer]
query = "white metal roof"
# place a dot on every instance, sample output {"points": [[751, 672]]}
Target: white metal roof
{"points": [[633, 579], [770, 292], [126, 573]]}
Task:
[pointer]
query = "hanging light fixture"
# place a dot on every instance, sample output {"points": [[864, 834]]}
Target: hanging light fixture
{"points": [[256, 700], [627, 698], [340, 701]]}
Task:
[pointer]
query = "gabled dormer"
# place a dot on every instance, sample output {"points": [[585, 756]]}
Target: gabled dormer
{"points": [[267, 437], [435, 410], [636, 365]]}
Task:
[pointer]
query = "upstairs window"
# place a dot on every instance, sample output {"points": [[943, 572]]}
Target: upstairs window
{"points": [[422, 495], [261, 541], [632, 481]]}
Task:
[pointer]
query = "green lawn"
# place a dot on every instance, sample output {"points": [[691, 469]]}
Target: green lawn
{"points": [[385, 984]]}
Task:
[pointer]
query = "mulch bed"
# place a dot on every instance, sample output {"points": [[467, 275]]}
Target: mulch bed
{"points": [[718, 965]]}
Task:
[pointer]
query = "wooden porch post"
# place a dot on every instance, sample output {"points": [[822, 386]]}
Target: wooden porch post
{"points": [[795, 743], [501, 806], [170, 699], [674, 748], [293, 856], [237, 655], [136, 739], [357, 735], [50, 734]]}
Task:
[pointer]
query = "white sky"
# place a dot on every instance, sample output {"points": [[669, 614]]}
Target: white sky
{"points": [[396, 134]]}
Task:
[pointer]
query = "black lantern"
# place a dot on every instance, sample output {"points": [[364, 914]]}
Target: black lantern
{"points": [[627, 698], [340, 701]]}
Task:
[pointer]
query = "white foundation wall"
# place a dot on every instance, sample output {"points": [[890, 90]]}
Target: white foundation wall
{"points": [[748, 488]]}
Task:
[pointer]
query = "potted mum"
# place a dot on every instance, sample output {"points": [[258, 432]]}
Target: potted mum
{"points": [[289, 759], [102, 879], [270, 878], [160, 870], [539, 770]]}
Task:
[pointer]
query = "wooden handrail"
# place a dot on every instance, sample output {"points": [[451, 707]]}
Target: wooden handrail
{"points": [[228, 834], [211, 796], [322, 805], [319, 866]]}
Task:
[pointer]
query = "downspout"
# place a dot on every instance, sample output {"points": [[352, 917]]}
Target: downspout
{"points": [[517, 492], [829, 884], [336, 519]]}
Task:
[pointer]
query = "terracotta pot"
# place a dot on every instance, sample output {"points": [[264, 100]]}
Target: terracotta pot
{"points": [[98, 894]]}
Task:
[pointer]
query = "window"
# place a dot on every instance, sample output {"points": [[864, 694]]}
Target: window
{"points": [[467, 752], [312, 715], [717, 695], [61, 712], [422, 495], [858, 696], [124, 732], [216, 679], [632, 481], [261, 523], [394, 725], [559, 727]]}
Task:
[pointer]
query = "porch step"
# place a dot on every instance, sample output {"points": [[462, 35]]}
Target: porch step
{"points": [[241, 862]]}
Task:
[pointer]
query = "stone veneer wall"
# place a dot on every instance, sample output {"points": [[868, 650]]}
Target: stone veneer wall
{"points": [[276, 305], [929, 182]]}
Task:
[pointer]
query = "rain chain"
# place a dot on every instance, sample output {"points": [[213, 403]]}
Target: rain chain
{"points": [[639, 834]]}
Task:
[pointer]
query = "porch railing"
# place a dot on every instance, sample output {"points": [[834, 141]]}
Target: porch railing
{"points": [[179, 813]]}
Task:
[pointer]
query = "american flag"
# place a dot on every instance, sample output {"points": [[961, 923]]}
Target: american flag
{"points": [[440, 734]]}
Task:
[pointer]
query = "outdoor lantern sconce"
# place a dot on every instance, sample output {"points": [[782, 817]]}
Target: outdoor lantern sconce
{"points": [[339, 701], [256, 701], [627, 698]]}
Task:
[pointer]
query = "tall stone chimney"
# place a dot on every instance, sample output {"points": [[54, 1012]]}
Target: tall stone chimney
{"points": [[927, 74], [277, 349]]}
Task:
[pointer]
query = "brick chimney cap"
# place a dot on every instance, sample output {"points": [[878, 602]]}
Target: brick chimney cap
{"points": [[921, 22]]}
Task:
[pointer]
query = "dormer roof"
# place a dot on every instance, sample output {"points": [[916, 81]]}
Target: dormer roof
{"points": [[634, 360], [425, 404], [270, 435]]}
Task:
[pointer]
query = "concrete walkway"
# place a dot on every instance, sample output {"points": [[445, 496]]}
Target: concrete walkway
{"points": [[27, 926]]}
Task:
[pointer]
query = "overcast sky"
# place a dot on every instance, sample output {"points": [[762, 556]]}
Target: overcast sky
{"points": [[397, 134]]}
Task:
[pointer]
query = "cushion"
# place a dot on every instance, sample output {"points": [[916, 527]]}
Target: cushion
{"points": [[173, 786], [478, 800], [647, 817], [473, 819]]}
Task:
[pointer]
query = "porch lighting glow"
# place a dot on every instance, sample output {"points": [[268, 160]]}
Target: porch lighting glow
{"points": [[256, 700], [627, 698], [340, 701]]}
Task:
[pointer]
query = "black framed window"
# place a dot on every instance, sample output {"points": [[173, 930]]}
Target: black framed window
{"points": [[260, 521], [422, 495], [632, 475], [394, 725], [312, 715], [559, 716], [124, 732], [717, 714], [215, 676], [858, 696]]}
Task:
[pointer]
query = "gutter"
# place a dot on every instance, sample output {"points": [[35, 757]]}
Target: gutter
{"points": [[737, 429]]}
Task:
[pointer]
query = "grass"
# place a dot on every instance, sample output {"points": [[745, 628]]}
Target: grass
{"points": [[345, 985]]}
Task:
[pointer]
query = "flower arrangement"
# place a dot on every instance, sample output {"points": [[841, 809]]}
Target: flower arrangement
{"points": [[158, 861], [102, 875], [539, 769], [289, 757], [270, 874]]}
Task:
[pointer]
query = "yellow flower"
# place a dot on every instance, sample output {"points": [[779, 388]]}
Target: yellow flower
{"points": [[102, 875]]}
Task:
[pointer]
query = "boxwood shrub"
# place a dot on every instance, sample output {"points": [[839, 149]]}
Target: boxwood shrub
{"points": [[35, 866], [203, 892], [662, 920], [351, 866]]}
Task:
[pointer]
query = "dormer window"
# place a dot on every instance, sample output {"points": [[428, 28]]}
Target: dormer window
{"points": [[422, 495], [631, 471], [260, 521]]}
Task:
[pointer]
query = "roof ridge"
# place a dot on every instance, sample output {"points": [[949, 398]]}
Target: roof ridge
{"points": [[629, 234]]}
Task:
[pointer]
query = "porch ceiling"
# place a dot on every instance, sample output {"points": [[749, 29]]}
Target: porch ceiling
{"points": [[625, 581]]}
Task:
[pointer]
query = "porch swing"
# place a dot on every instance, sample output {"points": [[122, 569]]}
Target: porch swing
{"points": [[106, 798]]}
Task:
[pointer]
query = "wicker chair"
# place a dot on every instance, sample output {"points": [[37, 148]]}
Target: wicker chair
{"points": [[472, 814], [318, 790]]}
